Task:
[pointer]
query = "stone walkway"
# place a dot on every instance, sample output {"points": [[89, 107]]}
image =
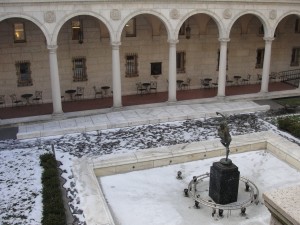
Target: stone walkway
{"points": [[139, 116]]}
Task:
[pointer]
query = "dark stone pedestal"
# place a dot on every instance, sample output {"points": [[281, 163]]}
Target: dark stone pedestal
{"points": [[224, 183]]}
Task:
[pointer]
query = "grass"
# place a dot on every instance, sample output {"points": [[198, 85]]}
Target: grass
{"points": [[292, 101]]}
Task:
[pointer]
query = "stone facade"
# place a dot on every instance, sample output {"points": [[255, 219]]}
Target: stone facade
{"points": [[235, 25]]}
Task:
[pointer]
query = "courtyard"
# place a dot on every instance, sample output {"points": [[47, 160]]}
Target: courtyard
{"points": [[20, 171]]}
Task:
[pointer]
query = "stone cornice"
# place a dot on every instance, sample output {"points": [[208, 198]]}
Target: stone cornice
{"points": [[149, 1]]}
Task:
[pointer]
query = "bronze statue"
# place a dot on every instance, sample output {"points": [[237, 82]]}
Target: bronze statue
{"points": [[225, 136]]}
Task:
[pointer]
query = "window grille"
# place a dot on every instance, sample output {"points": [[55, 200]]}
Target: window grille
{"points": [[260, 53], [79, 69], [131, 65], [23, 73], [180, 62], [295, 56]]}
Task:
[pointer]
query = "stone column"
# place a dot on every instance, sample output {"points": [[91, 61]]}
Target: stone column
{"points": [[55, 85], [266, 65], [222, 66], [116, 73], [172, 71]]}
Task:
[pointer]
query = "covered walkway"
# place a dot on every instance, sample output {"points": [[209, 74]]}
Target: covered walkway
{"points": [[203, 95]]}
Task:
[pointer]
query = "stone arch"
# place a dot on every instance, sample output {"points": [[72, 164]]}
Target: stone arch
{"points": [[283, 16], [214, 16], [140, 12], [259, 15], [62, 21], [29, 18]]}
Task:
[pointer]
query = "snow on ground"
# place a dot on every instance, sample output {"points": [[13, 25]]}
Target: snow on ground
{"points": [[155, 196], [20, 171]]}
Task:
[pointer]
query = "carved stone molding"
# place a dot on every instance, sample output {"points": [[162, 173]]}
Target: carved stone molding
{"points": [[174, 14], [115, 14], [50, 17], [272, 14], [227, 14]]}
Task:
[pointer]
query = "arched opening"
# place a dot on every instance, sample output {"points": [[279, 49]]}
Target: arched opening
{"points": [[144, 60], [245, 56], [197, 58], [285, 65], [85, 63]]}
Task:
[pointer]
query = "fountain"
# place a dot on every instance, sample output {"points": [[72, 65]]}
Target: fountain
{"points": [[224, 179]]}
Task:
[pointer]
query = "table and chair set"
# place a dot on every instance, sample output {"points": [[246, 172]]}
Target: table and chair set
{"points": [[24, 99], [78, 93], [146, 87]]}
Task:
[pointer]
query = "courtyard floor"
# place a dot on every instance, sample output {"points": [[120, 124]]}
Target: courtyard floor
{"points": [[20, 171]]}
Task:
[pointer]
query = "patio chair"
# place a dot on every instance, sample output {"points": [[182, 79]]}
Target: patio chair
{"points": [[204, 83], [247, 79], [38, 97], [15, 101], [140, 89], [215, 83], [258, 78], [228, 81], [186, 85], [153, 86], [98, 92], [79, 93], [273, 77], [2, 100]]}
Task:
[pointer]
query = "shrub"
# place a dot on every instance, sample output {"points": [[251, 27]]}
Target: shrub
{"points": [[53, 208], [290, 124]]}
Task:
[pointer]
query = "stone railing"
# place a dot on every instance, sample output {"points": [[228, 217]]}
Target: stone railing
{"points": [[284, 205]]}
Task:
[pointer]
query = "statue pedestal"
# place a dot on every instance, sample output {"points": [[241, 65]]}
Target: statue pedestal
{"points": [[224, 183]]}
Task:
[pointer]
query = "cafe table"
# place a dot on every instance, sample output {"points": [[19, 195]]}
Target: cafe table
{"points": [[27, 97], [71, 93], [105, 90]]}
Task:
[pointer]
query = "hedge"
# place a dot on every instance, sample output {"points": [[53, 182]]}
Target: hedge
{"points": [[53, 207], [290, 124]]}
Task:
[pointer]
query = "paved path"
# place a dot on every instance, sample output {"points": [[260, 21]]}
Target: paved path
{"points": [[138, 116]]}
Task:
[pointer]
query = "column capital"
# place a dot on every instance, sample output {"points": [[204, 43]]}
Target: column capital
{"points": [[115, 44], [173, 41], [52, 47], [224, 39], [269, 39]]}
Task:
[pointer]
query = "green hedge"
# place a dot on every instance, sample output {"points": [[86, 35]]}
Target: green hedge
{"points": [[53, 208], [290, 124]]}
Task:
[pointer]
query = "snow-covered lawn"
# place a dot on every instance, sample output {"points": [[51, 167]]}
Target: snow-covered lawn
{"points": [[20, 172]]}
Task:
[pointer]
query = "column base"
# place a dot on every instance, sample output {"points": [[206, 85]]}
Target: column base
{"points": [[58, 116]]}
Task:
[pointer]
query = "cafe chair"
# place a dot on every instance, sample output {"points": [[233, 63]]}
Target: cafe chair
{"points": [[204, 83], [15, 101], [258, 78], [273, 77], [228, 81], [2, 100], [38, 97], [140, 89], [247, 79], [186, 85], [98, 92], [79, 93], [214, 84], [153, 86]]}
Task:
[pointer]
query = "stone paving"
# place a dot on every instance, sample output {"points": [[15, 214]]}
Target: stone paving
{"points": [[138, 116]]}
